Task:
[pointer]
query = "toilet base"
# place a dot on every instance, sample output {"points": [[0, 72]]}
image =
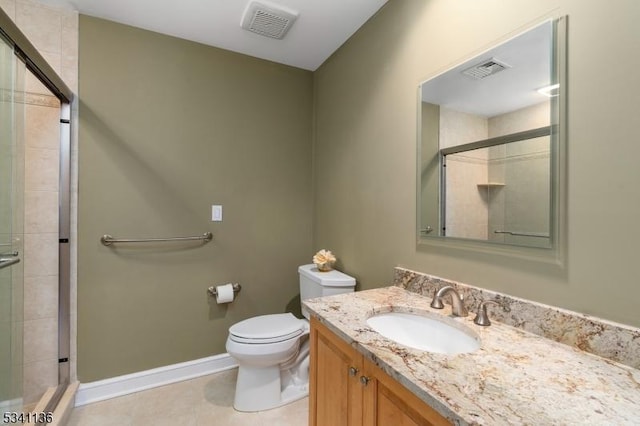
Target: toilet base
{"points": [[259, 389]]}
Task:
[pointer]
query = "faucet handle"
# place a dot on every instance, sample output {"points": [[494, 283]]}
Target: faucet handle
{"points": [[482, 317], [436, 302]]}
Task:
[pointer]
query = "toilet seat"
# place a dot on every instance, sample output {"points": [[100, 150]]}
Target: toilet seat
{"points": [[265, 329]]}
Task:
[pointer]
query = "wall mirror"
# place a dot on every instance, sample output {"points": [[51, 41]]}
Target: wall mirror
{"points": [[490, 149]]}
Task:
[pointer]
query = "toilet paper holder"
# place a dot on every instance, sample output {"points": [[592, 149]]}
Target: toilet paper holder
{"points": [[212, 290]]}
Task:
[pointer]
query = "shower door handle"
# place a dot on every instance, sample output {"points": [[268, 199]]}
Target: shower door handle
{"points": [[4, 262]]}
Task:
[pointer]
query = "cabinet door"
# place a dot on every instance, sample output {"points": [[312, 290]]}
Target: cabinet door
{"points": [[386, 402], [335, 392]]}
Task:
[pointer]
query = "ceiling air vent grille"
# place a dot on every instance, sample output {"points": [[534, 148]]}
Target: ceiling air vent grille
{"points": [[485, 69], [268, 20]]}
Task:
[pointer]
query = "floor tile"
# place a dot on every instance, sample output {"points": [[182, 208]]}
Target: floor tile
{"points": [[204, 401]]}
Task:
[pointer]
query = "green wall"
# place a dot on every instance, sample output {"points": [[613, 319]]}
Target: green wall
{"points": [[168, 128], [365, 149]]}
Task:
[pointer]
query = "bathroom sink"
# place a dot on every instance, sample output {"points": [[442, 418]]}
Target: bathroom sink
{"points": [[427, 333]]}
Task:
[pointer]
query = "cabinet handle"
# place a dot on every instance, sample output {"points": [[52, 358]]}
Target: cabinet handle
{"points": [[364, 380], [353, 371]]}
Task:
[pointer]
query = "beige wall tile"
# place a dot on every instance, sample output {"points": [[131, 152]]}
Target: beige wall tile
{"points": [[42, 169], [9, 7], [38, 376], [42, 25], [40, 255], [43, 127], [69, 19], [40, 340], [70, 47], [73, 352], [53, 58], [41, 298], [41, 212], [17, 291], [70, 77], [32, 84]]}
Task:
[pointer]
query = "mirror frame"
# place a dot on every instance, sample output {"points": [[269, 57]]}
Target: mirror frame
{"points": [[556, 253]]}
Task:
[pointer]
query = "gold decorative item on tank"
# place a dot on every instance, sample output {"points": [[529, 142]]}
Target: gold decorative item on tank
{"points": [[324, 260]]}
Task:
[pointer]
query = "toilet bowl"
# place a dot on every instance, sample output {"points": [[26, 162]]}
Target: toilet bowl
{"points": [[272, 351]]}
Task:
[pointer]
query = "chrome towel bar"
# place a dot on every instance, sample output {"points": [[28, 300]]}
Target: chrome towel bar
{"points": [[523, 234], [4, 262], [107, 240]]}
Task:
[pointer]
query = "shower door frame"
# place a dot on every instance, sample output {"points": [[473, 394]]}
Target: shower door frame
{"points": [[36, 63]]}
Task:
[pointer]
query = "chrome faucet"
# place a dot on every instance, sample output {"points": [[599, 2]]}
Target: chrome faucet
{"points": [[457, 303]]}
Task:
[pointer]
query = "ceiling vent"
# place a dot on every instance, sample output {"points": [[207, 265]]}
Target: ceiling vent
{"points": [[485, 69], [268, 20]]}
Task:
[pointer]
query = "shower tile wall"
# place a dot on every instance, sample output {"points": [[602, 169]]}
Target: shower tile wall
{"points": [[470, 208], [41, 244], [54, 32], [507, 210], [466, 214]]}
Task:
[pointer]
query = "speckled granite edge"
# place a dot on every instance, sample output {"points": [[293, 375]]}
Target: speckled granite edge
{"points": [[617, 342]]}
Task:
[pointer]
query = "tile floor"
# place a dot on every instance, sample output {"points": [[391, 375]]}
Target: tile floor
{"points": [[203, 401]]}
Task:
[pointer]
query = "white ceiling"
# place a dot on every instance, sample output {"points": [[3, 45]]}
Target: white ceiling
{"points": [[528, 55], [321, 28]]}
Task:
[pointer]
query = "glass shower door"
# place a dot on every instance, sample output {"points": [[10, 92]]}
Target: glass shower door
{"points": [[12, 72]]}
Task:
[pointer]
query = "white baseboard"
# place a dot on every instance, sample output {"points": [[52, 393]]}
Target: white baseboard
{"points": [[136, 382]]}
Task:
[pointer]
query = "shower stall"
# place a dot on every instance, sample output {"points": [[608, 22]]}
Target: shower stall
{"points": [[28, 185], [11, 270]]}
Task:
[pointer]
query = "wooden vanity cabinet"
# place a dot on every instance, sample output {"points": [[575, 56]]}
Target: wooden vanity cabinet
{"points": [[347, 390], [335, 391]]}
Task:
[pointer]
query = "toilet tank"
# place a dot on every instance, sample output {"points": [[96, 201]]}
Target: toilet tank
{"points": [[314, 283]]}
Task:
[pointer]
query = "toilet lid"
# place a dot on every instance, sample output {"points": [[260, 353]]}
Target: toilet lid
{"points": [[267, 329]]}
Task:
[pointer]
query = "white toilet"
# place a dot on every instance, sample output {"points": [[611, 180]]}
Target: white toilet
{"points": [[272, 351]]}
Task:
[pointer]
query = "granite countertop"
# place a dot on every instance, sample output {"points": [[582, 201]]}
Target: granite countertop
{"points": [[516, 377]]}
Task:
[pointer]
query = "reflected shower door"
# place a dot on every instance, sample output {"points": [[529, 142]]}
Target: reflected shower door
{"points": [[12, 72]]}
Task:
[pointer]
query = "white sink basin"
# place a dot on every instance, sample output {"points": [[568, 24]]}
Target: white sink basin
{"points": [[439, 335]]}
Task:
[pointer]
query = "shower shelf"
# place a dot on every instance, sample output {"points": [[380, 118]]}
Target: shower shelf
{"points": [[490, 185]]}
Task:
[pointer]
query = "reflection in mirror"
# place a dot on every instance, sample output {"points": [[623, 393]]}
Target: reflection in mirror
{"points": [[488, 145], [499, 193]]}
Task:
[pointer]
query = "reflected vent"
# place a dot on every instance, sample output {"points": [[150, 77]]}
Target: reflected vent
{"points": [[268, 20], [485, 69]]}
